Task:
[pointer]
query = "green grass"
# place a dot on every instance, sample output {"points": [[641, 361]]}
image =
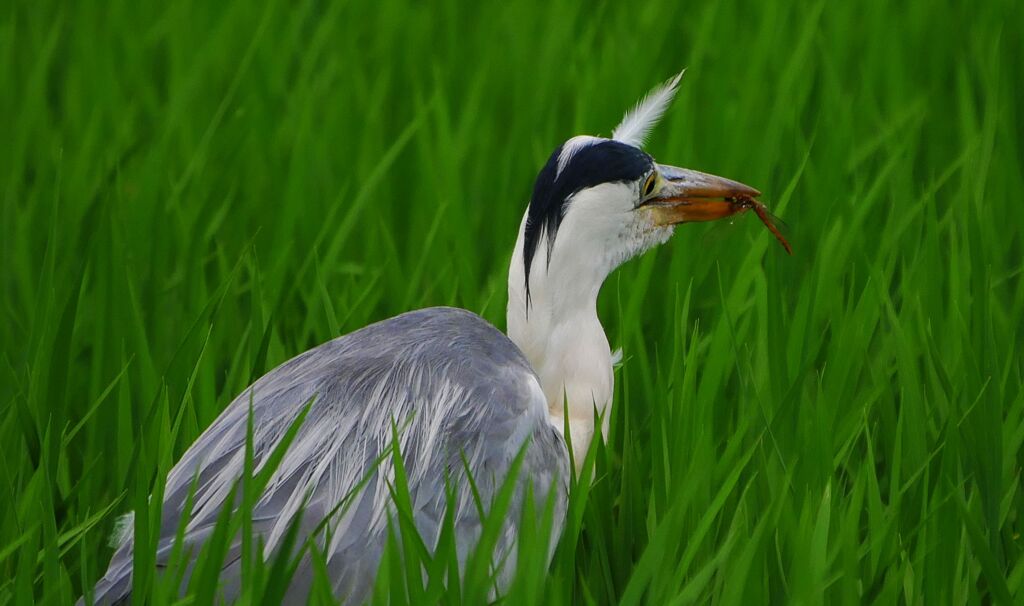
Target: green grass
{"points": [[193, 192]]}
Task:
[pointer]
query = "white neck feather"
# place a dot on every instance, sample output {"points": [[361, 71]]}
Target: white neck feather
{"points": [[556, 326], [561, 335]]}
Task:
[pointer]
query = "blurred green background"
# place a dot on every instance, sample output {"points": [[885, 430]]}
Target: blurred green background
{"points": [[193, 192]]}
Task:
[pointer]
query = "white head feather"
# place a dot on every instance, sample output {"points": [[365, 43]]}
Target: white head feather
{"points": [[638, 122], [570, 148]]}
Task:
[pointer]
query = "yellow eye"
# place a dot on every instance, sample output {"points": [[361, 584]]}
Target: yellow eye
{"points": [[649, 184]]}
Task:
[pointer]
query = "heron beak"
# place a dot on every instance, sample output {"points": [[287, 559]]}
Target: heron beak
{"points": [[688, 195]]}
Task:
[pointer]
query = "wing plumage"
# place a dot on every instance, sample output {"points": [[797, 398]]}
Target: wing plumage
{"points": [[639, 121], [454, 387]]}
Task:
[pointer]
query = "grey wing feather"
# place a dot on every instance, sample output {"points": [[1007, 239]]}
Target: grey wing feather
{"points": [[456, 389]]}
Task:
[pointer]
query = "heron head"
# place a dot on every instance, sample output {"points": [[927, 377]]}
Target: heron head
{"points": [[598, 202]]}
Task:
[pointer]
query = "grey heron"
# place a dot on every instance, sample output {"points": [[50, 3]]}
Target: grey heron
{"points": [[466, 398]]}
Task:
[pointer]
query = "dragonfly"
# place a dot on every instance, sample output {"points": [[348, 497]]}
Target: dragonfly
{"points": [[743, 204], [707, 208]]}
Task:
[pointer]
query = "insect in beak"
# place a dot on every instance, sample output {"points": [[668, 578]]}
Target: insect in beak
{"points": [[687, 196]]}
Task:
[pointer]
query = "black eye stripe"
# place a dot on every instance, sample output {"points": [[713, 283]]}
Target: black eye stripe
{"points": [[601, 162]]}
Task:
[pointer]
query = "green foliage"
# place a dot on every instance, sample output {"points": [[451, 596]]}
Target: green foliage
{"points": [[193, 192]]}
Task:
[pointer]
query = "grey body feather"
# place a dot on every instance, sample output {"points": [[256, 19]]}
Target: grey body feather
{"points": [[457, 390]]}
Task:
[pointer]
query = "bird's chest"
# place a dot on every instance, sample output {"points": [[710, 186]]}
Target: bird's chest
{"points": [[574, 397], [578, 378]]}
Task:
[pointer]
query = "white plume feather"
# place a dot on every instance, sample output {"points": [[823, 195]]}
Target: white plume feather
{"points": [[639, 121], [124, 526]]}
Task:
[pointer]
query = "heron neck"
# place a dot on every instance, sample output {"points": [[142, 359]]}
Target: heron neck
{"points": [[559, 332]]}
